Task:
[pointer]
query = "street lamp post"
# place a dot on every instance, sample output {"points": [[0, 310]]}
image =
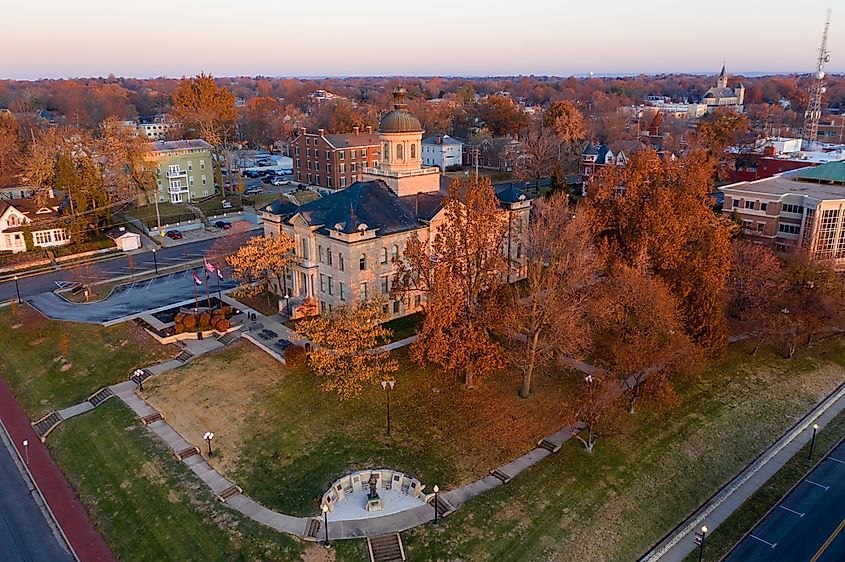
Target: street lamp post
{"points": [[326, 524], [388, 386], [287, 304], [208, 437], [155, 261], [17, 288], [26, 450], [436, 491], [813, 442], [699, 538], [138, 374]]}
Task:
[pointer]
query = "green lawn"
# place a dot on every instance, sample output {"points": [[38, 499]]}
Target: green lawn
{"points": [[44, 378], [722, 539], [262, 199], [615, 503], [147, 505], [284, 440], [168, 212]]}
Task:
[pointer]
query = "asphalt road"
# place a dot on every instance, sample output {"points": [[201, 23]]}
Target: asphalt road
{"points": [[30, 286], [807, 525], [24, 533], [131, 299]]}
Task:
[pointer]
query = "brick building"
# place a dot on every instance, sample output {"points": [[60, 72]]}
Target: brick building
{"points": [[802, 208], [333, 161]]}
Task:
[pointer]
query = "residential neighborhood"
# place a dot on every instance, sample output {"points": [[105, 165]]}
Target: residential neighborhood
{"points": [[441, 282]]}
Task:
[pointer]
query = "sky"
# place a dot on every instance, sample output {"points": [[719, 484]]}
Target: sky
{"points": [[148, 38]]}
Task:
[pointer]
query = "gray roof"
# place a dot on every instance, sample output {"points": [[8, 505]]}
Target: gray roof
{"points": [[441, 139], [163, 145], [720, 93], [590, 150], [351, 140]]}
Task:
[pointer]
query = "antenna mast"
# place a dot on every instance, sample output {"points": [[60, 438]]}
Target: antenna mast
{"points": [[814, 106]]}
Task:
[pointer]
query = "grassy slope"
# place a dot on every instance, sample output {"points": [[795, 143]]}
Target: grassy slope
{"points": [[615, 503], [31, 360], [742, 520], [147, 505], [296, 439]]}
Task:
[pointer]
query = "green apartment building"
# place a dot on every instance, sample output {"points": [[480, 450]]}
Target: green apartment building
{"points": [[184, 170]]}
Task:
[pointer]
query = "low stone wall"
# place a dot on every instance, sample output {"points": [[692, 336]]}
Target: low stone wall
{"points": [[189, 335], [386, 480]]}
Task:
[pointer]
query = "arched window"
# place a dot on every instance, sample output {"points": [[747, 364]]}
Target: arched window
{"points": [[13, 220], [386, 155], [362, 262], [394, 252], [413, 152], [400, 152], [384, 255]]}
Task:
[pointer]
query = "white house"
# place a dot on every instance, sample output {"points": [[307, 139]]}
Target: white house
{"points": [[19, 215], [442, 151], [124, 239]]}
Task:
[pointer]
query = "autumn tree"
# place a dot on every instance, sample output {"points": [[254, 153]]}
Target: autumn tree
{"points": [[501, 115], [657, 216], [594, 409], [345, 355], [263, 259], [207, 111], [716, 134], [567, 122], [538, 154], [121, 155], [544, 314], [261, 121], [10, 147], [637, 332], [754, 290], [341, 116], [460, 271]]}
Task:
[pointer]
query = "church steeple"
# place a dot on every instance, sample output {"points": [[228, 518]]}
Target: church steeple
{"points": [[722, 82]]}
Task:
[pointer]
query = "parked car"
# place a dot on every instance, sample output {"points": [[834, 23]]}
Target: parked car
{"points": [[253, 190], [252, 174], [173, 234], [278, 180], [224, 225], [268, 179]]}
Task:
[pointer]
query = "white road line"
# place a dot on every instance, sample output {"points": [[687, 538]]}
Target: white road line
{"points": [[772, 545], [792, 511], [817, 484], [835, 460]]}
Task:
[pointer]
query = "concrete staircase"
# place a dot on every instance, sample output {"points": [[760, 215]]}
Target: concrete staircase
{"points": [[199, 214], [549, 446], [313, 529], [185, 356], [46, 424], [100, 396], [386, 548]]}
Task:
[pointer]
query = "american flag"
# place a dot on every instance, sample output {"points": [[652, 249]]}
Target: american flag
{"points": [[197, 279], [209, 266]]}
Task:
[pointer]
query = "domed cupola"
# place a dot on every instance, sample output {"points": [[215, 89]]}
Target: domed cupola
{"points": [[400, 120]]}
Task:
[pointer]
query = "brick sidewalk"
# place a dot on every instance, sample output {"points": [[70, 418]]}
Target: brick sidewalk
{"points": [[86, 542]]}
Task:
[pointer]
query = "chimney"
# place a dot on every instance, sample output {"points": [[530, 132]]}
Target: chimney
{"points": [[303, 130], [369, 129], [321, 132], [356, 130], [438, 139]]}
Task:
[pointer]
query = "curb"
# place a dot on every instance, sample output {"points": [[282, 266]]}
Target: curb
{"points": [[692, 521]]}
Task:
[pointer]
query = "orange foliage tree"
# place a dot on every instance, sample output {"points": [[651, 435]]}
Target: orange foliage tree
{"points": [[263, 258], [344, 355], [637, 333], [460, 272], [658, 217]]}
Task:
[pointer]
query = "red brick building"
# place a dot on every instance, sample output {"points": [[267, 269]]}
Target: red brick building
{"points": [[333, 161]]}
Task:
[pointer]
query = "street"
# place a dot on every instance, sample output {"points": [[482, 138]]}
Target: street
{"points": [[24, 533], [807, 525], [34, 285]]}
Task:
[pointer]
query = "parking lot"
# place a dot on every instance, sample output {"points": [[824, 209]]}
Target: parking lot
{"points": [[808, 524]]}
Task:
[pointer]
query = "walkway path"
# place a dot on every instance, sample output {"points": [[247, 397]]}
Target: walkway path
{"points": [[680, 541], [69, 514]]}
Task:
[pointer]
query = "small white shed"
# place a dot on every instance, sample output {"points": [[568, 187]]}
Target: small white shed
{"points": [[125, 240]]}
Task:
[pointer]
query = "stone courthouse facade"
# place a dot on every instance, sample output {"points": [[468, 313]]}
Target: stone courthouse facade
{"points": [[347, 242]]}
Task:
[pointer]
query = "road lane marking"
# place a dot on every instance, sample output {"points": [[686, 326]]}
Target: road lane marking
{"points": [[836, 460], [827, 542], [771, 545], [792, 511], [817, 484]]}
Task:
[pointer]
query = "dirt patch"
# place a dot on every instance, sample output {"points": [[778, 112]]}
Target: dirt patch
{"points": [[217, 393]]}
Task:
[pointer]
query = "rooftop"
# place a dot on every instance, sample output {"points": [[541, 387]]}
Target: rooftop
{"points": [[165, 146], [350, 140], [790, 183]]}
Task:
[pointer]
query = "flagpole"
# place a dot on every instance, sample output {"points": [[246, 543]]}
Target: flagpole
{"points": [[207, 294], [219, 292], [196, 301]]}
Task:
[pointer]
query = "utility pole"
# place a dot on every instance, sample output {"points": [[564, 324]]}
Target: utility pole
{"points": [[814, 105]]}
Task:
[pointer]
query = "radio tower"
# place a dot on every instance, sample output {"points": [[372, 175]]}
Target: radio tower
{"points": [[814, 106]]}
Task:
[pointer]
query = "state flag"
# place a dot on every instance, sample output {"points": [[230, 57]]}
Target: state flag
{"points": [[197, 279]]}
